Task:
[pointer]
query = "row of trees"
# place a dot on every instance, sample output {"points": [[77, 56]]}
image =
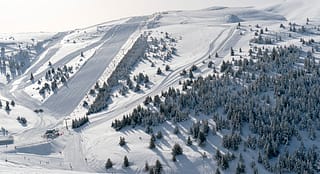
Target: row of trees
{"points": [[7, 105], [76, 123], [122, 72], [156, 169], [146, 47]]}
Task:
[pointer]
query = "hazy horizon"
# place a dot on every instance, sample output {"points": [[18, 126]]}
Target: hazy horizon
{"points": [[61, 15]]}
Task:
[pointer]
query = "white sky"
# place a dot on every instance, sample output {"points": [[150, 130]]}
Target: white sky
{"points": [[60, 15]]}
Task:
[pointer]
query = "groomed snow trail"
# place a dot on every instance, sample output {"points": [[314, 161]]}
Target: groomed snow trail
{"points": [[69, 96], [229, 38]]}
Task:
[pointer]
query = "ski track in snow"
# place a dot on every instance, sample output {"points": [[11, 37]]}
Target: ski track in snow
{"points": [[69, 96], [171, 78], [70, 151]]}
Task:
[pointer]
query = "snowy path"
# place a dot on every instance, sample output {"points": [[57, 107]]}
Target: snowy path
{"points": [[50, 52], [18, 84], [72, 55], [229, 38], [73, 153], [69, 96]]}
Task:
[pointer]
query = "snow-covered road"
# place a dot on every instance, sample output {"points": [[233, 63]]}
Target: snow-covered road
{"points": [[69, 96]]}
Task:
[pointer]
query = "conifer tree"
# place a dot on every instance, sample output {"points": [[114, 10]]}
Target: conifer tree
{"points": [[7, 106], [31, 78], [152, 143], [189, 141], [159, 71], [158, 167], [122, 141], [125, 161], [146, 166], [231, 51], [108, 164]]}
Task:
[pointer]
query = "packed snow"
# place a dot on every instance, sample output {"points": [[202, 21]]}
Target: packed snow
{"points": [[177, 41]]}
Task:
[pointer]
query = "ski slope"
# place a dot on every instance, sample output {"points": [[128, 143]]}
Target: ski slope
{"points": [[200, 38], [199, 33], [69, 96]]}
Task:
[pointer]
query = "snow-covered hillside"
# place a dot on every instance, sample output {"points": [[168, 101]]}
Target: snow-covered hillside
{"points": [[207, 81]]}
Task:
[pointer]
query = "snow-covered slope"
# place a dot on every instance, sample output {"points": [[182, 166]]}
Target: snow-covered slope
{"points": [[178, 40], [296, 10]]}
